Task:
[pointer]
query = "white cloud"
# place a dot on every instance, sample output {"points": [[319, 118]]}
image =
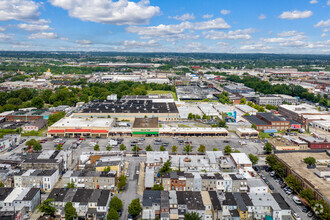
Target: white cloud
{"points": [[313, 2], [296, 14], [64, 38], [23, 10], [43, 35], [259, 47], [328, 3], [222, 44], [217, 23], [289, 33], [121, 12], [177, 31], [35, 27], [323, 23], [5, 36], [225, 12], [326, 29], [83, 42], [2, 29], [134, 43], [324, 35], [207, 16], [184, 17], [233, 35], [262, 17]]}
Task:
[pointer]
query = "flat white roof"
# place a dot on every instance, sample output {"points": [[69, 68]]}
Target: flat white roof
{"points": [[250, 130], [245, 108], [194, 129], [84, 122], [303, 109], [241, 158]]}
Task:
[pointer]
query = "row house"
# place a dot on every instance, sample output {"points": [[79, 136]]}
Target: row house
{"points": [[89, 203], [43, 179], [90, 179]]}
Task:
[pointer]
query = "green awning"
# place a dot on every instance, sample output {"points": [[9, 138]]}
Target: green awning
{"points": [[145, 132]]}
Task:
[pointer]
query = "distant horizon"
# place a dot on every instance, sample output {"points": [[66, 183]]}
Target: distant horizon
{"points": [[185, 26]]}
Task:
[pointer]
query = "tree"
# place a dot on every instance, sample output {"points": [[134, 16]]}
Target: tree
{"points": [[122, 147], [35, 144], [308, 195], [2, 185], [116, 203], [149, 148], [187, 149], [222, 124], [37, 102], [192, 216], [71, 185], [243, 101], [162, 148], [112, 214], [121, 182], [254, 126], [310, 160], [135, 207], [109, 148], [97, 147], [202, 148], [70, 211], [165, 168], [293, 183], [135, 149], [278, 167], [268, 148], [254, 159], [321, 209], [55, 117], [174, 149], [107, 169], [59, 147], [47, 207], [248, 114], [215, 149], [228, 150], [157, 187]]}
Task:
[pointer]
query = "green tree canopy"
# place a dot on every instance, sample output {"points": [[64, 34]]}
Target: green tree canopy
{"points": [[112, 214], [135, 207], [37, 102], [71, 185], [228, 150], [202, 148], [293, 183], [122, 180], [116, 203], [35, 144], [254, 159], [97, 147], [187, 149], [122, 147], [174, 149], [70, 211], [47, 207], [157, 187], [310, 160], [162, 148], [166, 167], [268, 148], [149, 148], [192, 216]]}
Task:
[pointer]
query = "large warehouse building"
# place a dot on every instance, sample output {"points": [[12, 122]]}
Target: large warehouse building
{"points": [[129, 110], [78, 127]]}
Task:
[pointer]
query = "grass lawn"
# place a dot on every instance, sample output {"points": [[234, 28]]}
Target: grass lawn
{"points": [[163, 92], [200, 126], [263, 135], [183, 126]]}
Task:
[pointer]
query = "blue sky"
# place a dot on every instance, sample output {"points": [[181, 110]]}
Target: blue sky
{"points": [[234, 26]]}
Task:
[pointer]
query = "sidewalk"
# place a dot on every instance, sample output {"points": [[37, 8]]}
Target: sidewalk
{"points": [[141, 180]]}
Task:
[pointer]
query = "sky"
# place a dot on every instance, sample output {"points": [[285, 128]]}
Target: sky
{"points": [[216, 26]]}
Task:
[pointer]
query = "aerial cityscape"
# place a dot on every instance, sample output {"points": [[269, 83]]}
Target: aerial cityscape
{"points": [[164, 110]]}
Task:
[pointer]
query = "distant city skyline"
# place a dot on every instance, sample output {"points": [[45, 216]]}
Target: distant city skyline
{"points": [[216, 26]]}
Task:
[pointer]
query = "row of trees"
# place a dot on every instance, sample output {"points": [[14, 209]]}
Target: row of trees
{"points": [[25, 97], [266, 88]]}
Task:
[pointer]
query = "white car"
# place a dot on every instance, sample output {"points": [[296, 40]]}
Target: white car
{"points": [[296, 200], [296, 216]]}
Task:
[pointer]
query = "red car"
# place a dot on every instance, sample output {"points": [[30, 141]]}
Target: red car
{"points": [[81, 139]]}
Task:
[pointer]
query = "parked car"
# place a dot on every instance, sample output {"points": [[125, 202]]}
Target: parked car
{"points": [[296, 216], [272, 173], [127, 174], [310, 214], [283, 185], [271, 187], [296, 200], [305, 209]]}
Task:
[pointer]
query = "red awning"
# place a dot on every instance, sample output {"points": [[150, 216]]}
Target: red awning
{"points": [[56, 131], [100, 131], [77, 130]]}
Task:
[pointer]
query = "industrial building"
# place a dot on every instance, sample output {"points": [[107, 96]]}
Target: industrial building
{"points": [[145, 126], [276, 100], [81, 127], [129, 110], [238, 89], [265, 121], [157, 98], [27, 115], [195, 93]]}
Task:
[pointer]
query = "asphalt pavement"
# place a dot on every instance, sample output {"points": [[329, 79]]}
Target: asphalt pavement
{"points": [[288, 198]]}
